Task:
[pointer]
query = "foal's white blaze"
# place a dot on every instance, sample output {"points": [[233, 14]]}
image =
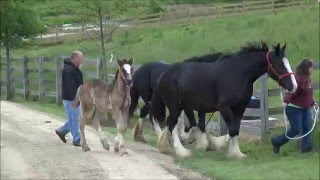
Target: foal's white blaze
{"points": [[293, 79], [127, 67]]}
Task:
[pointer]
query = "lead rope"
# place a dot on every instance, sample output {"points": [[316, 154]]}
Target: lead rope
{"points": [[315, 113]]}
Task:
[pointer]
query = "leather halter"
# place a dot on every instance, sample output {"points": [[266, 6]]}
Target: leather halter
{"points": [[270, 67]]}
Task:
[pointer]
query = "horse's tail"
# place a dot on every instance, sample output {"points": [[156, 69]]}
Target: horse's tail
{"points": [[76, 101], [134, 100], [157, 112]]}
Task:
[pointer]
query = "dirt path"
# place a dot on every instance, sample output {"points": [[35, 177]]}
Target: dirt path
{"points": [[31, 150]]}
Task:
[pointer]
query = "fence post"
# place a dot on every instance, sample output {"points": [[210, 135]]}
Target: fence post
{"points": [[223, 126], [99, 68], [41, 79], [264, 106], [26, 78], [58, 81], [9, 78]]}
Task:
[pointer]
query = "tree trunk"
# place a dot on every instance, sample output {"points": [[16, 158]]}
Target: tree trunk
{"points": [[103, 65], [9, 83]]}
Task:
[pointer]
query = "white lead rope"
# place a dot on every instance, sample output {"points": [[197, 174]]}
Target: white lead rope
{"points": [[314, 117]]}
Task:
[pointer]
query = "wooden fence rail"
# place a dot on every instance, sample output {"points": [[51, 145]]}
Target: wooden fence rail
{"points": [[188, 15]]}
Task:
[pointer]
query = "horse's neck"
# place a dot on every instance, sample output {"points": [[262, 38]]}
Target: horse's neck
{"points": [[256, 67], [120, 88]]}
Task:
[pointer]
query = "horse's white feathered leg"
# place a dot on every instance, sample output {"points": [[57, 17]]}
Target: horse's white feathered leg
{"points": [[202, 142], [234, 150], [179, 149]]}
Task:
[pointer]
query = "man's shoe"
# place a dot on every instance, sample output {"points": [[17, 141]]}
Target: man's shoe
{"points": [[276, 148], [62, 137], [306, 150], [76, 143]]}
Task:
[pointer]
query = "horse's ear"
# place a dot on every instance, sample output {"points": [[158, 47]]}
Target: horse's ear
{"points": [[283, 49], [120, 62], [277, 49], [130, 61]]}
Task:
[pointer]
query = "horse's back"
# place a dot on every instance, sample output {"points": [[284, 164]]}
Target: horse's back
{"points": [[97, 85], [145, 78]]}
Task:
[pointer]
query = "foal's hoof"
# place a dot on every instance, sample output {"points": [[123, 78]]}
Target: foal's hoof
{"points": [[116, 148], [123, 152], [106, 147], [85, 148]]}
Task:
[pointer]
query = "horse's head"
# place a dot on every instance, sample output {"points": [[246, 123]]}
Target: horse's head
{"points": [[280, 70], [125, 70]]}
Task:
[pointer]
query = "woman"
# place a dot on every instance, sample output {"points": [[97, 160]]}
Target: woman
{"points": [[298, 108]]}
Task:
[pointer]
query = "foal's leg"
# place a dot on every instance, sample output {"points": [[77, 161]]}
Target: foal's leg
{"points": [[137, 131], [103, 139], [82, 123], [121, 120], [202, 142]]}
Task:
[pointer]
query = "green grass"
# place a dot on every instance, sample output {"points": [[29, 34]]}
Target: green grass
{"points": [[260, 164]]}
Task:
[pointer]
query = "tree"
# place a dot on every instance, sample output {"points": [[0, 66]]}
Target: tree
{"points": [[18, 22], [103, 11]]}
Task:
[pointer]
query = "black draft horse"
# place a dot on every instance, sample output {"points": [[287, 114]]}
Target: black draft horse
{"points": [[225, 86], [144, 82]]}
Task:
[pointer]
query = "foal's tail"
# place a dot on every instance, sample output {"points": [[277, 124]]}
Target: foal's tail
{"points": [[134, 100], [157, 112], [76, 101]]}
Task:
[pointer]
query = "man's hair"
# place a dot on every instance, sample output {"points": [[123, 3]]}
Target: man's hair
{"points": [[75, 54]]}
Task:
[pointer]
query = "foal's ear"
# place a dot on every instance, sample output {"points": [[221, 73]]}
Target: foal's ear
{"points": [[277, 49], [120, 62], [130, 61]]}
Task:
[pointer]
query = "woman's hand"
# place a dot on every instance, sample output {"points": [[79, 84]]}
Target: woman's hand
{"points": [[284, 104]]}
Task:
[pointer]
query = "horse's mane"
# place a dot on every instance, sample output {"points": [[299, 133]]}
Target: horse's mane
{"points": [[205, 58], [254, 47]]}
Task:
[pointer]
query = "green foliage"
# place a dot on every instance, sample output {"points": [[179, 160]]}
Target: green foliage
{"points": [[155, 7], [18, 21]]}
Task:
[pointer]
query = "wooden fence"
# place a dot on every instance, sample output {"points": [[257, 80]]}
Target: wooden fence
{"points": [[41, 68], [51, 87], [190, 14]]}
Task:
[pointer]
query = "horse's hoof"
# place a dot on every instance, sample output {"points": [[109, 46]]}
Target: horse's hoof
{"points": [[211, 148], [140, 138], [183, 153], [85, 148], [237, 156]]}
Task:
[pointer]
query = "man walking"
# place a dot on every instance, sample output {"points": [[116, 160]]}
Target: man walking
{"points": [[71, 80]]}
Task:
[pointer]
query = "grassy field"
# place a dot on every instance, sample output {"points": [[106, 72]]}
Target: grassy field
{"points": [[260, 164]]}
